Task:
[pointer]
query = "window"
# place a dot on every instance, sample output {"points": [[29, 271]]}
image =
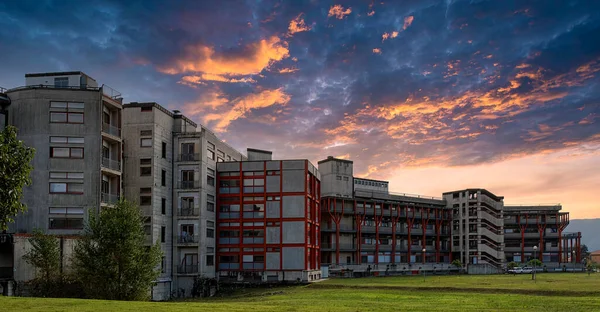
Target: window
{"points": [[210, 206], [146, 161], [339, 178], [187, 202], [65, 223], [210, 224], [210, 260], [220, 153], [145, 190], [163, 234], [210, 197], [145, 142], [66, 188], [254, 185], [66, 210], [66, 152], [210, 180], [145, 200], [64, 112], [162, 265], [228, 158], [67, 140], [164, 150], [66, 175], [145, 132], [210, 146], [210, 171], [219, 159], [210, 155], [210, 233], [163, 206], [229, 186], [188, 148], [61, 82], [163, 178], [345, 178], [145, 171]]}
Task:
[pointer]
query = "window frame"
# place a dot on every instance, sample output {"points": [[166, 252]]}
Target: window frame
{"points": [[70, 152], [67, 191]]}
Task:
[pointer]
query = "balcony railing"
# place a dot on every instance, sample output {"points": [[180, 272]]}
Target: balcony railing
{"points": [[111, 164], [186, 269], [112, 130], [187, 239], [110, 199], [187, 185], [189, 157], [188, 212]]}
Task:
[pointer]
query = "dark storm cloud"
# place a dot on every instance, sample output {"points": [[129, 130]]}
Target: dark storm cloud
{"points": [[389, 84]]}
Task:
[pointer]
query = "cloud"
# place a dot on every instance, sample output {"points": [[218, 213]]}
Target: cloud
{"points": [[338, 11], [377, 50], [250, 60], [407, 22], [193, 79], [386, 35], [218, 112], [297, 25], [287, 70]]}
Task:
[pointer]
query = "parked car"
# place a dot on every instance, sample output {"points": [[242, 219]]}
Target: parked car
{"points": [[516, 270], [527, 270]]}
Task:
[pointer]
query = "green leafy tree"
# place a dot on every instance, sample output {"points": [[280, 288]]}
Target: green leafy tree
{"points": [[44, 255], [511, 265], [585, 253], [535, 262], [15, 167], [111, 259], [590, 266], [456, 263]]}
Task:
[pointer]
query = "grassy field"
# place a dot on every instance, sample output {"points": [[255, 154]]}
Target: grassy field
{"points": [[552, 292]]}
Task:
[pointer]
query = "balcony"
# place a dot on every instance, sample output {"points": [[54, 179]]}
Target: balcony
{"points": [[112, 130], [187, 269], [187, 239], [111, 164], [188, 212], [189, 157], [109, 199], [188, 185]]}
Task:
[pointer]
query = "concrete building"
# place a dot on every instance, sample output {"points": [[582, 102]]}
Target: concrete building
{"points": [[170, 165], [75, 127], [477, 226], [365, 226], [542, 227], [268, 220]]}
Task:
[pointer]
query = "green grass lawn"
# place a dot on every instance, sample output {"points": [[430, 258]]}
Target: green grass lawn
{"points": [[572, 292]]}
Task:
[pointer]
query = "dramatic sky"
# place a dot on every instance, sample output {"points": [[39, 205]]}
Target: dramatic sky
{"points": [[433, 96]]}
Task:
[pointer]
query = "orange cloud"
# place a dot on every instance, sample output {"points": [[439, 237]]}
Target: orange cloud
{"points": [[288, 70], [225, 111], [188, 80], [297, 25], [386, 35], [371, 13], [377, 50], [204, 59], [407, 22], [338, 11]]}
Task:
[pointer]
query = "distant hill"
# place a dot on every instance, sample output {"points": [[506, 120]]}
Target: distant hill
{"points": [[590, 232]]}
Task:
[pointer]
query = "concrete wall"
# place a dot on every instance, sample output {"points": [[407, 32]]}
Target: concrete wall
{"points": [[336, 177], [30, 113]]}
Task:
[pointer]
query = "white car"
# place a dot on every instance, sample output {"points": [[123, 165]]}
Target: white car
{"points": [[527, 270], [516, 270]]}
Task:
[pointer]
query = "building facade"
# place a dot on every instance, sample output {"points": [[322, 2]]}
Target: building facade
{"points": [[363, 224], [540, 227], [268, 220], [75, 127], [170, 165], [477, 226]]}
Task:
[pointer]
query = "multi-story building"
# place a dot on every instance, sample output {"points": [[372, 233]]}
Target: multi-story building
{"points": [[268, 219], [364, 224], [477, 226], [538, 231], [75, 127], [170, 165]]}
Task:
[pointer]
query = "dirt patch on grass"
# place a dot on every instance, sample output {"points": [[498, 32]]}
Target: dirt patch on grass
{"points": [[536, 292]]}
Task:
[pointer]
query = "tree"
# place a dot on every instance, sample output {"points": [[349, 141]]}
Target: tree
{"points": [[111, 259], [44, 255], [511, 265], [590, 266], [15, 167], [585, 253], [535, 263], [456, 263]]}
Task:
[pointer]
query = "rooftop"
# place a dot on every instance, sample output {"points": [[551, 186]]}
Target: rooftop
{"points": [[68, 73], [330, 158]]}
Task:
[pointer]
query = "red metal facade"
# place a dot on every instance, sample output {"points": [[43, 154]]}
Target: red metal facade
{"points": [[241, 231]]}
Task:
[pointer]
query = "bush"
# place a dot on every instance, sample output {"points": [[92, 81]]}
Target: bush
{"points": [[511, 265], [58, 287]]}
